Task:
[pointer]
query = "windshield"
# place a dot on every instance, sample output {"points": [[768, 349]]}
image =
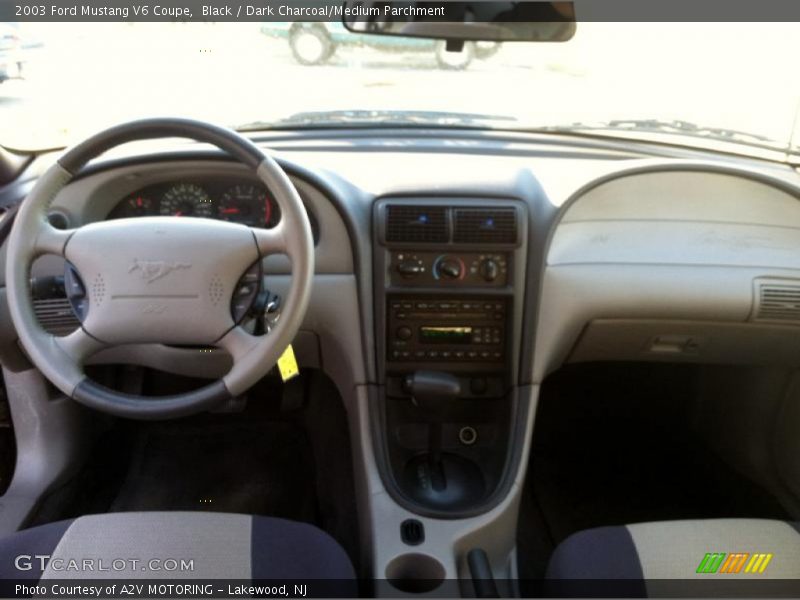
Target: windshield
{"points": [[695, 83]]}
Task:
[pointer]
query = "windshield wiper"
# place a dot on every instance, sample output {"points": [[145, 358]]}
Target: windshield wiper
{"points": [[676, 127], [404, 118]]}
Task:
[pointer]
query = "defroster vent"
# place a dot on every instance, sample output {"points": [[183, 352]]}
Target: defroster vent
{"points": [[487, 226], [416, 223]]}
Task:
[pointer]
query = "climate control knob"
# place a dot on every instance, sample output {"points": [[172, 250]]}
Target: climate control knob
{"points": [[449, 267], [489, 270], [410, 267]]}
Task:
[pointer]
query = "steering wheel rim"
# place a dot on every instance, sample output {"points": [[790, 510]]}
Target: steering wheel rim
{"points": [[105, 255]]}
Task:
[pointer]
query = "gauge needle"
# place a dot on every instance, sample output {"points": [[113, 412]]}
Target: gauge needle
{"points": [[230, 211], [178, 213]]}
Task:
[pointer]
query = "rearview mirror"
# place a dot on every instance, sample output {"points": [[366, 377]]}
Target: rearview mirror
{"points": [[493, 20]]}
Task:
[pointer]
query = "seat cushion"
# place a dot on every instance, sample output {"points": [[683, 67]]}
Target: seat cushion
{"points": [[718, 552], [176, 545]]}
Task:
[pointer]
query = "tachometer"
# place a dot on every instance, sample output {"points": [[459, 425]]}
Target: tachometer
{"points": [[248, 204], [138, 206], [187, 200]]}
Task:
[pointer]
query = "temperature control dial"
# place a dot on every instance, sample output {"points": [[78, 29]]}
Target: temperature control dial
{"points": [[449, 267]]}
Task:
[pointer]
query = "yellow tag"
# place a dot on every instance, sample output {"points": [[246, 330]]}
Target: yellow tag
{"points": [[287, 364]]}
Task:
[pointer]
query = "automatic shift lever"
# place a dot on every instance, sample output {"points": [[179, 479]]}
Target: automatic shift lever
{"points": [[432, 390], [436, 478]]}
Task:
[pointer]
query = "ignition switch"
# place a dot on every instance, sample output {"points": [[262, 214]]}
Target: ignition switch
{"points": [[266, 311]]}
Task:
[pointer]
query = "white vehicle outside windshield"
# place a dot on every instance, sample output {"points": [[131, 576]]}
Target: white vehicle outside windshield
{"points": [[725, 81]]}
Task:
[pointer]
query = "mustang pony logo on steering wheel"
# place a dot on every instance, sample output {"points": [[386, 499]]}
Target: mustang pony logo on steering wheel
{"points": [[151, 270]]}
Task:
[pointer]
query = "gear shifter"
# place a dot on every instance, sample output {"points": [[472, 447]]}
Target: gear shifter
{"points": [[432, 390], [437, 478]]}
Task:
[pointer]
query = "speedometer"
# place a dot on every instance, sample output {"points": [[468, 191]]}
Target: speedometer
{"points": [[187, 200], [248, 204]]}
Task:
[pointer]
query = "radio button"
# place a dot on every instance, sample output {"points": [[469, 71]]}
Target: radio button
{"points": [[404, 333]]}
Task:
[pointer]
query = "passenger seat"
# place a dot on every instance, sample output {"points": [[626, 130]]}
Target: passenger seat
{"points": [[702, 557]]}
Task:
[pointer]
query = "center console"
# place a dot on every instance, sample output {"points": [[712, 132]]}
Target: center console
{"points": [[448, 319]]}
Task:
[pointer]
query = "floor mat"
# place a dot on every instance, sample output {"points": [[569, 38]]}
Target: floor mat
{"points": [[266, 468], [275, 458], [612, 445]]}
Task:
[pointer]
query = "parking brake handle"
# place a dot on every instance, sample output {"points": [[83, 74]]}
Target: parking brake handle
{"points": [[481, 571]]}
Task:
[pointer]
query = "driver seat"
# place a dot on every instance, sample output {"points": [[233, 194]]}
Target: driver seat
{"points": [[137, 545]]}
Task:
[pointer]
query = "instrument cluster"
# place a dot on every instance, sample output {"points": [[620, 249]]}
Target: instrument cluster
{"points": [[245, 202]]}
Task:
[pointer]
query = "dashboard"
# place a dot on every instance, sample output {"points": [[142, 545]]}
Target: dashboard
{"points": [[496, 268], [236, 200], [688, 228]]}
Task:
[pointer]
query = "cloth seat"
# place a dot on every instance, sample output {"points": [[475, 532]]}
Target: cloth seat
{"points": [[178, 545], [695, 557]]}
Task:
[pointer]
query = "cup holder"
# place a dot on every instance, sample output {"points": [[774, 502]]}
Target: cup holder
{"points": [[415, 573]]}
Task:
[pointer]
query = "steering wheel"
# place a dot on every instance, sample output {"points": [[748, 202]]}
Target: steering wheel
{"points": [[164, 280]]}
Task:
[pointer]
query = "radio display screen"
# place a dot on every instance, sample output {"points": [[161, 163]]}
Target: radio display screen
{"points": [[445, 335]]}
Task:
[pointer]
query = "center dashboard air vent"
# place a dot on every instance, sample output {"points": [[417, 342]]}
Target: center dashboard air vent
{"points": [[777, 300], [485, 226], [416, 223]]}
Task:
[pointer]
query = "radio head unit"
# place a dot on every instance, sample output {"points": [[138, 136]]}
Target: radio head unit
{"points": [[466, 332]]}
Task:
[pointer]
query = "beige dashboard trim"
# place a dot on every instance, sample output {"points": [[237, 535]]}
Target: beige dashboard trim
{"points": [[657, 244]]}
